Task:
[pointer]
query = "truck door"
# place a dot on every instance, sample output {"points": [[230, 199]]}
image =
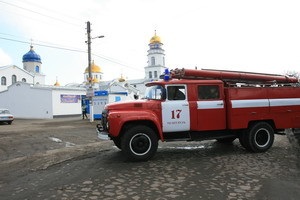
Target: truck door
{"points": [[175, 110], [211, 107]]}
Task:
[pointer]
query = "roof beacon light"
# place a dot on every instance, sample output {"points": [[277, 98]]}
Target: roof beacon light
{"points": [[167, 75]]}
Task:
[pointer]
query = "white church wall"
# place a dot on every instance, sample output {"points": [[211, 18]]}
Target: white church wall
{"points": [[66, 102], [9, 71], [159, 59], [32, 66], [24, 101], [39, 79]]}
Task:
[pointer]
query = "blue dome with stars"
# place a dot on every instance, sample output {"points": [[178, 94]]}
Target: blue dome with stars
{"points": [[31, 56]]}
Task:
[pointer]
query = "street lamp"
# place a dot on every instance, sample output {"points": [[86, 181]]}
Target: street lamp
{"points": [[101, 36], [89, 42]]}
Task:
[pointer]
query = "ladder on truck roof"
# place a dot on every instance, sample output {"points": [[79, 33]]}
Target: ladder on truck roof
{"points": [[232, 76]]}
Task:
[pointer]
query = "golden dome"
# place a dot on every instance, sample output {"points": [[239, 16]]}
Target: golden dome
{"points": [[56, 83], [155, 39], [121, 79], [95, 68]]}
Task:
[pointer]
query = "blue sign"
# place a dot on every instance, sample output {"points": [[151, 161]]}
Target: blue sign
{"points": [[117, 98], [100, 93]]}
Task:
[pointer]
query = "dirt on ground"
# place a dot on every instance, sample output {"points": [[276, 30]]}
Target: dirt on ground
{"points": [[25, 137]]}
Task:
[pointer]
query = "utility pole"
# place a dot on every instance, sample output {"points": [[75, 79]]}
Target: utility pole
{"points": [[88, 28], [90, 90]]}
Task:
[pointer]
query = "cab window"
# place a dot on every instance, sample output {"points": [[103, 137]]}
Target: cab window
{"points": [[176, 92], [208, 92]]}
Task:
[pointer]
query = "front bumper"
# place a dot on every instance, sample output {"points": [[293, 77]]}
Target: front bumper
{"points": [[101, 133]]}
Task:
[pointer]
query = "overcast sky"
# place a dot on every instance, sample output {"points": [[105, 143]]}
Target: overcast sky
{"points": [[253, 35]]}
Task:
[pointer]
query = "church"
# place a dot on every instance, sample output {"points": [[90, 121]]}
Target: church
{"points": [[31, 72], [119, 89], [24, 93], [154, 68]]}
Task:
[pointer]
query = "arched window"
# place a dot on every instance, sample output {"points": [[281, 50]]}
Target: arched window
{"points": [[155, 74], [13, 79], [37, 69], [3, 80], [152, 61], [24, 80], [150, 74]]}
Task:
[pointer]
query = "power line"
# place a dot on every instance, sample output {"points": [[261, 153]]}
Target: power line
{"points": [[39, 41], [35, 19], [74, 50], [44, 45], [54, 18], [54, 11], [116, 62]]}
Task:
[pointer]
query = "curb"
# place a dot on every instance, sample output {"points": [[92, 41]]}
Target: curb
{"points": [[41, 161]]}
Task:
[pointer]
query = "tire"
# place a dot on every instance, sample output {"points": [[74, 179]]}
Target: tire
{"points": [[242, 139], [9, 122], [139, 143], [117, 142], [226, 140], [259, 137]]}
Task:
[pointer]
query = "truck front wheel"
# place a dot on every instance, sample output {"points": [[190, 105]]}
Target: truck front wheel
{"points": [[259, 137], [117, 142], [139, 143]]}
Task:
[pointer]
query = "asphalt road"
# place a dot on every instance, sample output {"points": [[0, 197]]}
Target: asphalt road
{"points": [[181, 170]]}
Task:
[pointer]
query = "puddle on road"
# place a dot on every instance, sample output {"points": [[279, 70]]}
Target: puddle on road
{"points": [[57, 140], [70, 144]]}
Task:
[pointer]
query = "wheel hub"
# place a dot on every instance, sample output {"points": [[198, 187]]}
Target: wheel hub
{"points": [[140, 144], [262, 137]]}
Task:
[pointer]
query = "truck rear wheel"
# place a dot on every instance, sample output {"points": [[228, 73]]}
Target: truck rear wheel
{"points": [[139, 143], [259, 137]]}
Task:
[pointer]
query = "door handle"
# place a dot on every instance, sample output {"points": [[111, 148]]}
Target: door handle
{"points": [[185, 105], [220, 104]]}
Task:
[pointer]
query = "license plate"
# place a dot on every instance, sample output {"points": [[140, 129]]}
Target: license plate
{"points": [[4, 117]]}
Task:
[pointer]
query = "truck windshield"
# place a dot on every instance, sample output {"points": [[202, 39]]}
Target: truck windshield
{"points": [[156, 92]]}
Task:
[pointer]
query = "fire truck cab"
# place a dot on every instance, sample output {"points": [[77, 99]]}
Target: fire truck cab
{"points": [[204, 104]]}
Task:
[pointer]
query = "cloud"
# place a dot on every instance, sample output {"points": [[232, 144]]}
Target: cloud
{"points": [[5, 59]]}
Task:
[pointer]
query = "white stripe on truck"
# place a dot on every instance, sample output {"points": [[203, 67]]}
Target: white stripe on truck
{"points": [[285, 102], [251, 103], [210, 104]]}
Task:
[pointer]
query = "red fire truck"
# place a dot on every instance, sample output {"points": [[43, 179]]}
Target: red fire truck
{"points": [[203, 105]]}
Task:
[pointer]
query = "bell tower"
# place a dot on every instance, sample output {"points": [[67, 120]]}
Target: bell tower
{"points": [[156, 59], [32, 63]]}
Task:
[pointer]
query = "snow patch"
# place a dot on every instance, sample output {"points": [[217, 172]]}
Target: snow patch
{"points": [[55, 139]]}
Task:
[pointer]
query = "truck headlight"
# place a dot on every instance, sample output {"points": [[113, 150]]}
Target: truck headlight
{"points": [[107, 125]]}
